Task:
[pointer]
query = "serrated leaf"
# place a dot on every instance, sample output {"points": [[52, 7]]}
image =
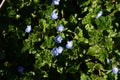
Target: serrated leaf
{"points": [[44, 58], [48, 42], [73, 68], [109, 6], [109, 43], [90, 65], [79, 33], [104, 23], [98, 66], [93, 50], [87, 19], [84, 77], [72, 19]]}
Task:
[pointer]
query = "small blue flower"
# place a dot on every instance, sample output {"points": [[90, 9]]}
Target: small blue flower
{"points": [[55, 2], [20, 68], [115, 70], [108, 60], [60, 28], [54, 51], [58, 39], [69, 44], [54, 15], [28, 29], [59, 49], [100, 13]]}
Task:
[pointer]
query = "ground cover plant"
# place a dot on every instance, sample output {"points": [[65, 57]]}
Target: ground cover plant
{"points": [[60, 40]]}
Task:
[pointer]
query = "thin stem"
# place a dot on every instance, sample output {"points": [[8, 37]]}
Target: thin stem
{"points": [[2, 3]]}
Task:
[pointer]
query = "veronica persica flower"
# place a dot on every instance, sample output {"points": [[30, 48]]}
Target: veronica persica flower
{"points": [[100, 13], [20, 68], [54, 15], [69, 44], [60, 49], [60, 28], [58, 39], [108, 60], [28, 29], [54, 51], [55, 2], [115, 70]]}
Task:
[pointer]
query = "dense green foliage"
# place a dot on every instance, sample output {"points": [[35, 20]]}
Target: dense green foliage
{"points": [[94, 40]]}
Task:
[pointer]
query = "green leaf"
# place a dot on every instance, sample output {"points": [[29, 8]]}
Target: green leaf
{"points": [[98, 66], [43, 24], [12, 12], [99, 52], [43, 57], [72, 19], [89, 27], [94, 50], [102, 55], [104, 23], [60, 69], [109, 6], [109, 43], [96, 77], [118, 6], [36, 1], [87, 19], [86, 3], [90, 65], [84, 77], [27, 45], [73, 68], [48, 42], [78, 33]]}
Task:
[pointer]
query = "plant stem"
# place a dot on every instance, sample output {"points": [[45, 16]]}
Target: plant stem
{"points": [[2, 3]]}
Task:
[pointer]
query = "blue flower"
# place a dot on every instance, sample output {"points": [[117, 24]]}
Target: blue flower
{"points": [[69, 44], [115, 70], [108, 60], [54, 51], [55, 2], [59, 49], [28, 29], [58, 39], [100, 13], [60, 28], [20, 68], [54, 15]]}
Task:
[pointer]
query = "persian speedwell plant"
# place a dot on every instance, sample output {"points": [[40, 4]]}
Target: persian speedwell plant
{"points": [[55, 2], [87, 31], [60, 49], [54, 14], [58, 39], [56, 51], [115, 70], [100, 13], [69, 44], [60, 28], [28, 29], [108, 60], [20, 68]]}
